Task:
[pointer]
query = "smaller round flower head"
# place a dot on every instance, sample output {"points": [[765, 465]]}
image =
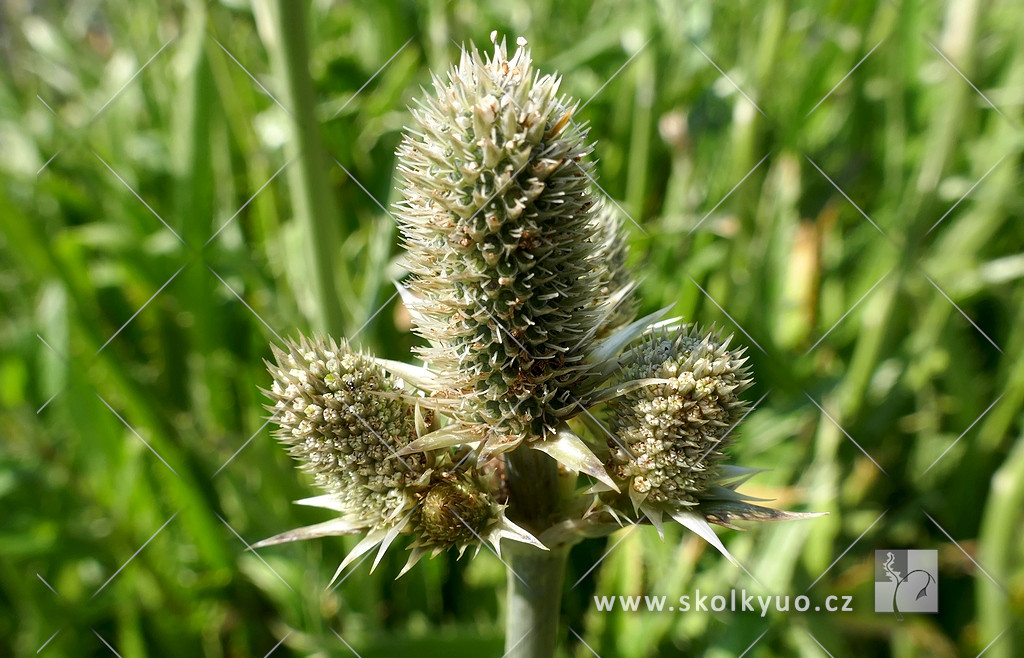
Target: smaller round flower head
{"points": [[454, 510], [670, 435], [333, 418], [460, 507], [350, 425]]}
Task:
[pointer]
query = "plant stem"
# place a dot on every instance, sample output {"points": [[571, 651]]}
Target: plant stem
{"points": [[282, 25], [534, 576], [534, 600]]}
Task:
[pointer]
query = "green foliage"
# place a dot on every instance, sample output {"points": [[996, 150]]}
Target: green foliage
{"points": [[155, 315]]}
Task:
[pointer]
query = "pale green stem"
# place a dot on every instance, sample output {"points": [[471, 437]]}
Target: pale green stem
{"points": [[534, 600], [534, 576]]}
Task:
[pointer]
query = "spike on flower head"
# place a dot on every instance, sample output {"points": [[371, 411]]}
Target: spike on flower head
{"points": [[618, 305]]}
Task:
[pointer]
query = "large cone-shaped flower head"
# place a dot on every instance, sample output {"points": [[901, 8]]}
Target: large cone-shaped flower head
{"points": [[504, 244]]}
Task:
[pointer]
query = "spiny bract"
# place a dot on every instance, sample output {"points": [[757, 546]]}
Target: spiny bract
{"points": [[505, 245]]}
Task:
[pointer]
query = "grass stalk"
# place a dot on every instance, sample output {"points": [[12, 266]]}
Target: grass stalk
{"points": [[999, 539], [283, 28]]}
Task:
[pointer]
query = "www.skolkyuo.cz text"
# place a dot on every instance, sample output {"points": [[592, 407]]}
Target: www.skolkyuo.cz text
{"points": [[734, 601]]}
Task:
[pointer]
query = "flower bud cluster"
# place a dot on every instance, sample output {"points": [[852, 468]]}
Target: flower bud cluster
{"points": [[520, 287]]}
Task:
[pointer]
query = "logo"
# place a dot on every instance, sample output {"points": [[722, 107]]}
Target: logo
{"points": [[906, 581]]}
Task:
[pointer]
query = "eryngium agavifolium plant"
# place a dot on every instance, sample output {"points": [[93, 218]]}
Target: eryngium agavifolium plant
{"points": [[519, 287]]}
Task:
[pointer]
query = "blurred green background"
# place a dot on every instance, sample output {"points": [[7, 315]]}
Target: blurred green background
{"points": [[869, 245]]}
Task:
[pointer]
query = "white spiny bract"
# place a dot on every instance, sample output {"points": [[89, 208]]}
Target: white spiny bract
{"points": [[346, 421], [504, 245]]}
